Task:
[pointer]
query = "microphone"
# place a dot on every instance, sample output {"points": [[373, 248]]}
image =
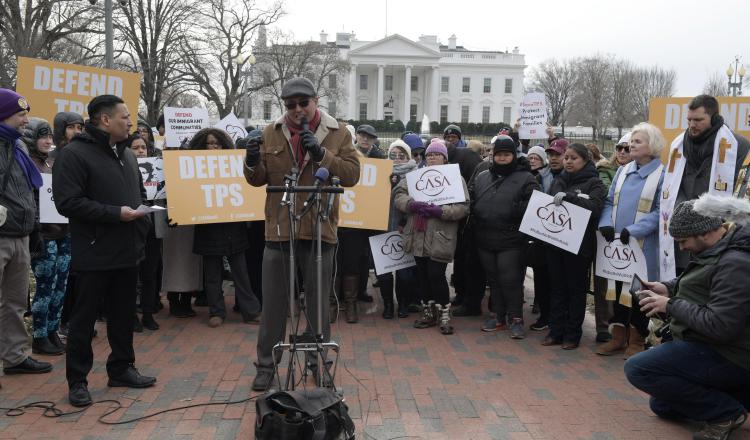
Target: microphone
{"points": [[289, 181], [320, 177], [335, 181], [305, 124]]}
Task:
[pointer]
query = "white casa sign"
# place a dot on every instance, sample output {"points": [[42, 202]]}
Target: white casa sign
{"points": [[388, 253], [563, 226], [618, 261], [47, 210], [439, 185]]}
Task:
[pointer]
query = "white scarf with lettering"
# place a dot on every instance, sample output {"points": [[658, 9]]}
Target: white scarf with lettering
{"points": [[721, 184]]}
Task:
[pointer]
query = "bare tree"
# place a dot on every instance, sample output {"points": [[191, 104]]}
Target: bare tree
{"points": [[622, 95], [215, 61], [557, 80], [651, 82], [593, 91], [285, 59], [34, 28], [716, 85]]}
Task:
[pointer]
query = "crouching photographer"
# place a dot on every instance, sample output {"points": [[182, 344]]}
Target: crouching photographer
{"points": [[704, 373]]}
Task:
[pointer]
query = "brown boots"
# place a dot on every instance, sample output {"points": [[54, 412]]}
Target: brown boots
{"points": [[617, 344], [349, 286], [623, 339]]}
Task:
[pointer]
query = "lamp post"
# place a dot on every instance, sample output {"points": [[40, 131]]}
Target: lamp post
{"points": [[734, 77], [247, 77]]}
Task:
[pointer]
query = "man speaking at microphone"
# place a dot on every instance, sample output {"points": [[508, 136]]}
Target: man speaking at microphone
{"points": [[305, 138]]}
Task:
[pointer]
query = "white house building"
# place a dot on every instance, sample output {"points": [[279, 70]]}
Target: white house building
{"points": [[396, 78]]}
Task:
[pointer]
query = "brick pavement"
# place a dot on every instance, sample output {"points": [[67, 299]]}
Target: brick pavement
{"points": [[399, 382]]}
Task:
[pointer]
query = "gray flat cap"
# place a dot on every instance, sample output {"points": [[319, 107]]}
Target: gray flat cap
{"points": [[367, 129], [298, 87]]}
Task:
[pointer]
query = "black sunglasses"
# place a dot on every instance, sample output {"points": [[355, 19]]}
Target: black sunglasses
{"points": [[291, 105], [623, 148]]}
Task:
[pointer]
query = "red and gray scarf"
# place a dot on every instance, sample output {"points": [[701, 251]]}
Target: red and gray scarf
{"points": [[295, 130]]}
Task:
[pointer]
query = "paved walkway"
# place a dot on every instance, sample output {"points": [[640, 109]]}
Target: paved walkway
{"points": [[399, 382]]}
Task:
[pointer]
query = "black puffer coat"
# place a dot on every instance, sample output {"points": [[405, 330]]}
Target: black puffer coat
{"points": [[498, 204], [586, 181]]}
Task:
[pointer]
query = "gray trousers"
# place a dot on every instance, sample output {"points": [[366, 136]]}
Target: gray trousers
{"points": [[15, 263], [276, 295], [244, 296]]}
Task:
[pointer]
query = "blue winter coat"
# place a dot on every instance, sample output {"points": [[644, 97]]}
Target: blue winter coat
{"points": [[648, 227]]}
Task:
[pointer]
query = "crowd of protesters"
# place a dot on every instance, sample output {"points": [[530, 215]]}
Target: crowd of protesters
{"points": [[136, 257]]}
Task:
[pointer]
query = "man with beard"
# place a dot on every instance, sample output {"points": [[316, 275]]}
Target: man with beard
{"points": [[706, 158]]}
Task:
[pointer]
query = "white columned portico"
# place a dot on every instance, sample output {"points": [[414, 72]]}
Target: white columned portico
{"points": [[434, 114], [407, 95], [379, 102], [353, 92]]}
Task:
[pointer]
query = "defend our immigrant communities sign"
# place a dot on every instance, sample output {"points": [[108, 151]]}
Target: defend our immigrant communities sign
{"points": [[51, 87], [181, 124], [563, 226], [47, 209], [152, 171], [670, 115], [208, 186], [367, 204], [618, 261], [439, 185], [388, 253], [533, 116]]}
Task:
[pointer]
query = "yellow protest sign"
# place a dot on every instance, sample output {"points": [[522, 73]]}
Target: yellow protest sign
{"points": [[670, 115], [51, 87], [366, 205], [208, 186]]}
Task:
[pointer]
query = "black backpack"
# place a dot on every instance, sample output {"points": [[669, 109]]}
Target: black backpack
{"points": [[314, 414]]}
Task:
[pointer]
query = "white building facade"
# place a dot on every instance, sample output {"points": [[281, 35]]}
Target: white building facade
{"points": [[396, 78]]}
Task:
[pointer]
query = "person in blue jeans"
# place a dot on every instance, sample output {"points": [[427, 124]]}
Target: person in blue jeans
{"points": [[704, 373]]}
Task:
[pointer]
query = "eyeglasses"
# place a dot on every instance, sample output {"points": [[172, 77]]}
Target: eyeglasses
{"points": [[291, 105], [624, 148], [393, 156], [433, 155]]}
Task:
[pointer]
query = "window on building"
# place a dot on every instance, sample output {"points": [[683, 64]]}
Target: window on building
{"points": [[443, 114], [362, 82], [464, 114], [362, 111], [488, 85], [445, 84], [413, 112], [508, 85], [389, 82], [332, 108], [332, 83], [506, 115], [414, 83], [486, 114], [466, 85], [267, 110]]}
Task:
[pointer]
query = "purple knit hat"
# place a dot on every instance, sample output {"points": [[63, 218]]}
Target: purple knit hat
{"points": [[437, 147], [11, 103]]}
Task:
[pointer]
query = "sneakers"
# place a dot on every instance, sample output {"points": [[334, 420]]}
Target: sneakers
{"points": [[428, 317], [445, 319], [516, 329], [493, 325], [263, 379], [539, 325], [721, 430]]}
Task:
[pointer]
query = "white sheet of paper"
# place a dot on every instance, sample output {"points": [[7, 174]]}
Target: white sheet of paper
{"points": [[533, 116], [47, 209], [439, 185], [232, 126], [147, 209], [563, 226], [619, 262], [388, 253]]}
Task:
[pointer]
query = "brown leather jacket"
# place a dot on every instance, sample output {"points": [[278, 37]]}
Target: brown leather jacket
{"points": [[276, 161]]}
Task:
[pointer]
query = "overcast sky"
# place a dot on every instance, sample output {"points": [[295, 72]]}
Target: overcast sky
{"points": [[696, 38]]}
